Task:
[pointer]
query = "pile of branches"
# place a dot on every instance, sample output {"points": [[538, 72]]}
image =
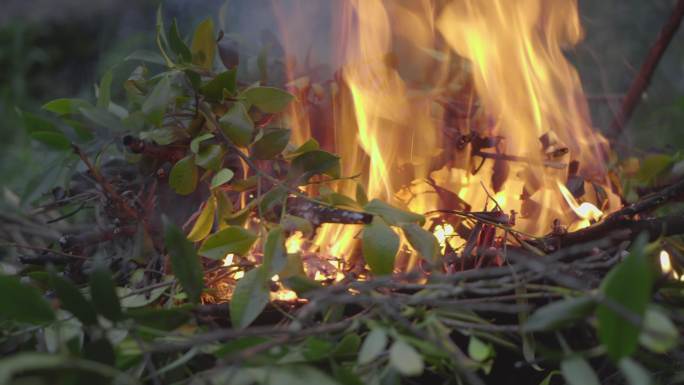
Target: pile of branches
{"points": [[200, 168]]}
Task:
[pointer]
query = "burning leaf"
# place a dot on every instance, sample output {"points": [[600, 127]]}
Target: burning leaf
{"points": [[423, 241], [204, 222], [272, 143], [249, 299], [268, 99], [392, 215], [231, 240], [629, 285], [380, 246], [184, 176], [203, 46], [500, 174], [186, 265], [237, 125]]}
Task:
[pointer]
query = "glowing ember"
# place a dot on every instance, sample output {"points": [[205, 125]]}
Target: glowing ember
{"points": [[446, 234], [228, 260], [666, 264]]}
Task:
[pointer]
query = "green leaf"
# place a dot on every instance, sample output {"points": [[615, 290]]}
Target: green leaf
{"points": [[186, 265], [32, 362], [348, 346], [72, 300], [293, 223], [231, 240], [479, 350], [213, 89], [379, 246], [549, 377], [629, 285], [653, 166], [52, 139], [560, 313], [268, 99], [237, 125], [313, 163], [204, 222], [103, 293], [210, 157], [274, 252], [104, 96], [634, 372], [249, 298], [316, 349], [129, 299], [65, 106], [659, 333], [405, 359], [184, 176], [203, 46], [196, 141], [178, 45], [423, 241], [221, 177], [373, 346], [392, 215], [103, 117], [23, 303], [309, 145], [157, 101], [146, 56], [34, 123], [576, 371], [238, 345], [160, 319], [272, 143]]}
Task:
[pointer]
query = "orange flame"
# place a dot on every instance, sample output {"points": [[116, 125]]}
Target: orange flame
{"points": [[407, 65]]}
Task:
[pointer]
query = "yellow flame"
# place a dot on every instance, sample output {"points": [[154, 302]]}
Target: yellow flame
{"points": [[294, 242], [666, 265], [228, 260], [500, 60], [586, 211]]}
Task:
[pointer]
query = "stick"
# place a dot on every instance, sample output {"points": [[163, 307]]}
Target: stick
{"points": [[643, 78]]}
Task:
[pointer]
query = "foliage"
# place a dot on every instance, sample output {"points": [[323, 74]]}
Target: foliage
{"points": [[140, 311]]}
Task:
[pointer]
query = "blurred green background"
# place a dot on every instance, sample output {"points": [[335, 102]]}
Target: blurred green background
{"points": [[60, 48]]}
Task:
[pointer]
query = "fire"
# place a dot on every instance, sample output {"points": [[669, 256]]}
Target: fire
{"points": [[475, 96], [666, 264], [586, 211], [294, 243]]}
